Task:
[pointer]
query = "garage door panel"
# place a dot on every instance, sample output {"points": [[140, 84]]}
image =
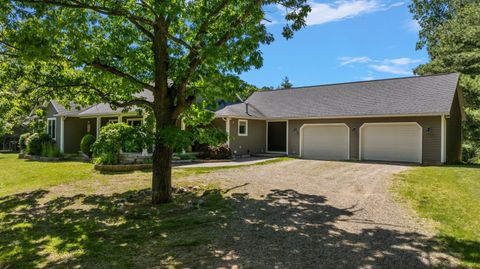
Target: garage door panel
{"points": [[328, 142], [392, 142]]}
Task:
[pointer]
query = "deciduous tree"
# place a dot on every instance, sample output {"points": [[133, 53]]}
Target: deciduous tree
{"points": [[179, 50]]}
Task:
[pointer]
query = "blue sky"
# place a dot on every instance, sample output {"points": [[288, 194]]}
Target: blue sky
{"points": [[347, 40]]}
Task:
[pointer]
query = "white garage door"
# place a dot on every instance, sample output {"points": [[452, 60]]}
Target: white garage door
{"points": [[396, 142], [327, 142]]}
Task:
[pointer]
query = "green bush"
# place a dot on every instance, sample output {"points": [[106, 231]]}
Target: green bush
{"points": [[35, 142], [119, 136], [51, 150], [86, 144], [470, 153], [107, 158], [22, 141]]}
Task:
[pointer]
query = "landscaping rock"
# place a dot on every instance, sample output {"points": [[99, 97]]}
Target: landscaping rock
{"points": [[181, 190]]}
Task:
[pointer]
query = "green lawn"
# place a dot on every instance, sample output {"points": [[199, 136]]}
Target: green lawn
{"points": [[67, 215], [449, 195]]}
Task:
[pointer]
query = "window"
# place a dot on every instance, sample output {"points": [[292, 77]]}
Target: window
{"points": [[51, 127], [242, 127], [112, 121], [134, 122]]}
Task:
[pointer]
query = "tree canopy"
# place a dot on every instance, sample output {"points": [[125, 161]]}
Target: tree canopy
{"points": [[450, 30], [180, 50]]}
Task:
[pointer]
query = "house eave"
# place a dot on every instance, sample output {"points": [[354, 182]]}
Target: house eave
{"points": [[340, 116]]}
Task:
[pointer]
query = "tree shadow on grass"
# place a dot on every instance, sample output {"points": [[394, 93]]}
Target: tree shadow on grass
{"points": [[287, 229]]}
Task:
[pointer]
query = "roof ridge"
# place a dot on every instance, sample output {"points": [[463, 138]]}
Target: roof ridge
{"points": [[355, 82]]}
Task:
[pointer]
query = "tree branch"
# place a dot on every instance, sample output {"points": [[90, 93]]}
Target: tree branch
{"points": [[105, 97], [100, 9], [202, 30], [180, 41], [115, 71]]}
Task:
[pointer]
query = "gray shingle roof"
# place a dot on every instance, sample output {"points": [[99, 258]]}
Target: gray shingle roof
{"points": [[96, 109], [419, 95]]}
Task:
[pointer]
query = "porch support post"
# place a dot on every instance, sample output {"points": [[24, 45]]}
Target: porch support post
{"points": [[145, 150], [62, 134], [182, 127], [99, 122], [120, 118], [227, 130]]}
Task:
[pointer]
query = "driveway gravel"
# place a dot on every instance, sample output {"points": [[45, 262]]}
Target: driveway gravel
{"points": [[319, 214]]}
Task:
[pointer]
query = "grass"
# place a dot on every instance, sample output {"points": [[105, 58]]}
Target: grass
{"points": [[450, 196], [67, 215], [18, 175]]}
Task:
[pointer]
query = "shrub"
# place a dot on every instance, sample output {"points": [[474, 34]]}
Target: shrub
{"points": [[211, 152], [50, 150], [470, 153], [118, 136], [86, 144], [35, 141], [22, 141]]}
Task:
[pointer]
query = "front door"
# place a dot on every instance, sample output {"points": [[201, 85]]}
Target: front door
{"points": [[277, 136]]}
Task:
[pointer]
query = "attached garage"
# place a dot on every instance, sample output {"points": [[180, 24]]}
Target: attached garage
{"points": [[325, 141], [393, 142]]}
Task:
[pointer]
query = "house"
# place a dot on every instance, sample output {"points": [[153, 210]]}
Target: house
{"points": [[67, 126], [413, 119]]}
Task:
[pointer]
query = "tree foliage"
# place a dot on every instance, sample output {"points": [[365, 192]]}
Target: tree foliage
{"points": [[450, 30], [181, 51], [286, 84]]}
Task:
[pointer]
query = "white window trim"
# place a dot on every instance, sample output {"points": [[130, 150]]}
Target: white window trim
{"points": [[54, 131], [134, 119], [246, 127]]}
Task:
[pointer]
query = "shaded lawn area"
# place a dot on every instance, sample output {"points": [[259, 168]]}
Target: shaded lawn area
{"points": [[87, 219], [66, 214], [449, 195]]}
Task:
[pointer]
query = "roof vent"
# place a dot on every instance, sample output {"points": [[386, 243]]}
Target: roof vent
{"points": [[246, 108]]}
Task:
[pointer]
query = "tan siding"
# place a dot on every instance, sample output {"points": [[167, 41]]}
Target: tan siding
{"points": [[253, 143], [431, 140], [219, 123], [75, 129], [454, 133]]}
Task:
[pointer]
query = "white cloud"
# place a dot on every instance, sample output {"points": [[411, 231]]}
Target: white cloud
{"points": [[402, 61], [391, 69], [396, 66], [352, 60], [343, 9]]}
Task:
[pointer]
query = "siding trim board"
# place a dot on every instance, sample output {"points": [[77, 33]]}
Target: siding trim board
{"points": [[443, 140]]}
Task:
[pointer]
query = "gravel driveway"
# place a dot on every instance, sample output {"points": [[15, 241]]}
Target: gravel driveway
{"points": [[316, 214]]}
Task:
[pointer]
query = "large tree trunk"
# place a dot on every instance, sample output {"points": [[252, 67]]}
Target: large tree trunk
{"points": [[162, 174]]}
